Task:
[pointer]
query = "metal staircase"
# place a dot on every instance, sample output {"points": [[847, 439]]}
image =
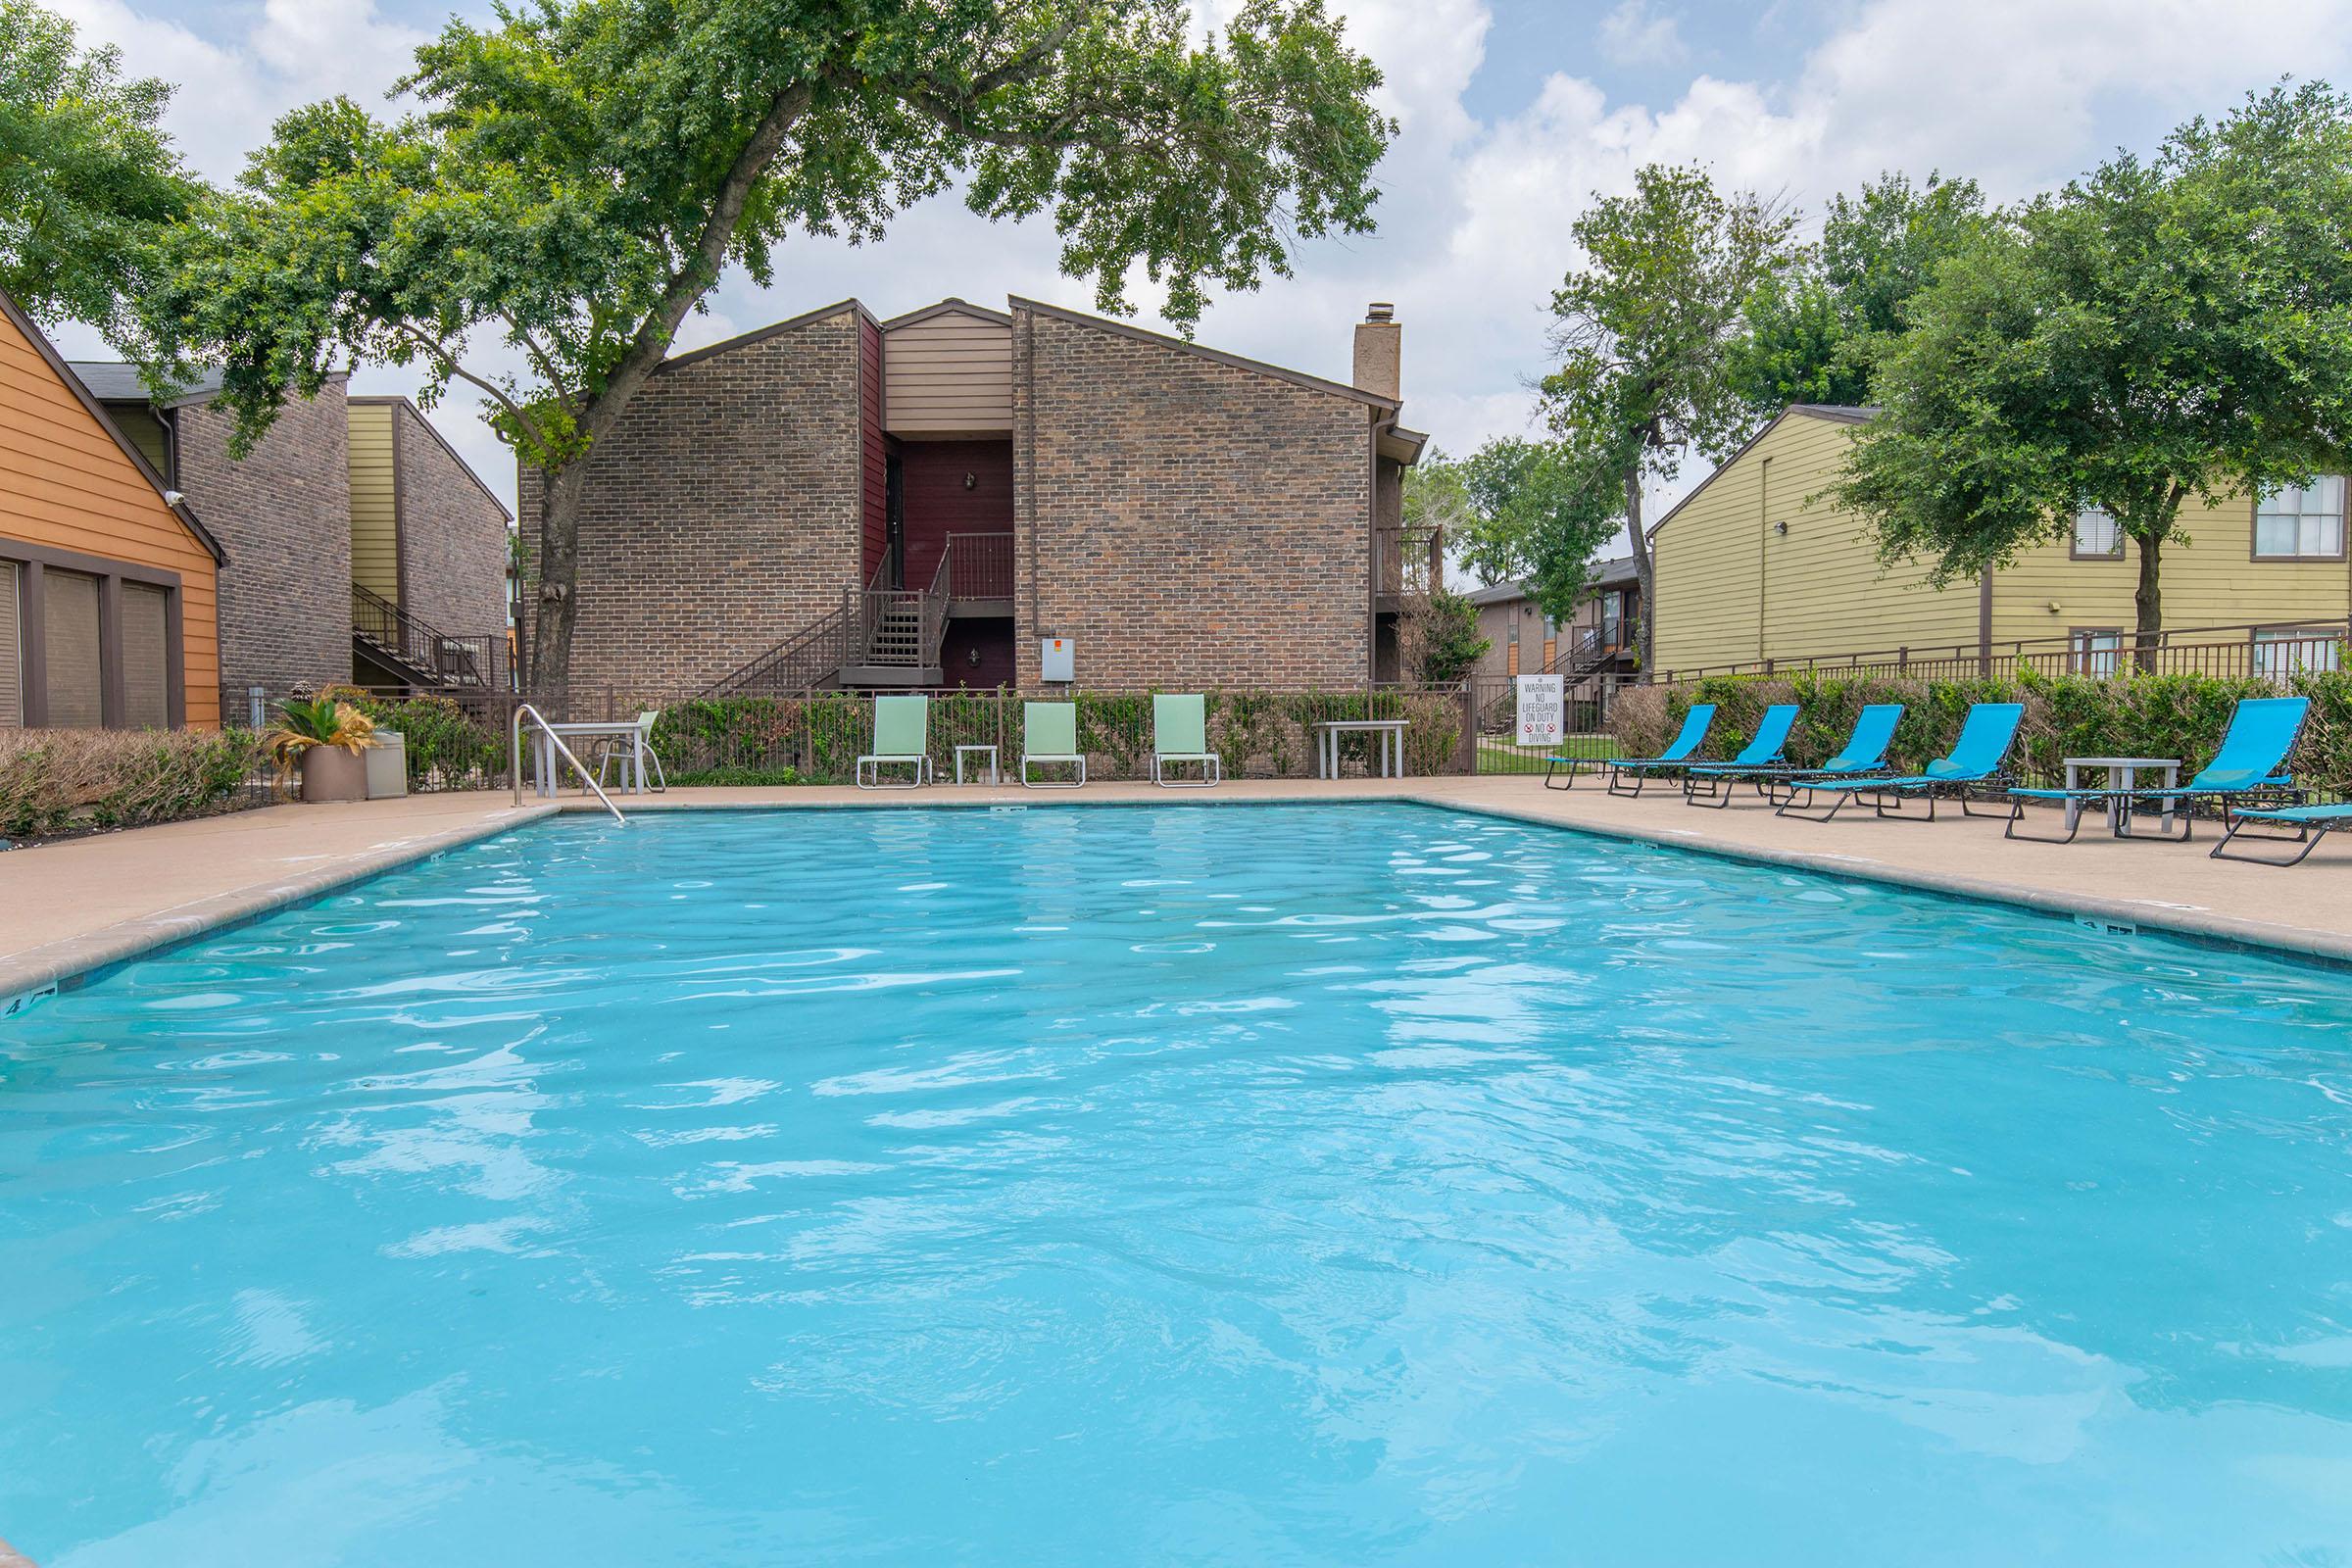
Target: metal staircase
{"points": [[421, 654], [878, 637]]}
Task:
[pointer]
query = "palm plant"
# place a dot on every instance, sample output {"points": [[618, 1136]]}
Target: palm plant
{"points": [[304, 723]]}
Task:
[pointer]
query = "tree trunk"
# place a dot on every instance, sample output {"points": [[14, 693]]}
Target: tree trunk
{"points": [[2148, 602], [558, 604], [1644, 574]]}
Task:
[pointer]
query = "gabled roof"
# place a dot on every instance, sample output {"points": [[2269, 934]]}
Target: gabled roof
{"points": [[761, 334], [397, 400], [116, 381], [1605, 573], [1837, 413], [950, 305], [97, 411], [1313, 383]]}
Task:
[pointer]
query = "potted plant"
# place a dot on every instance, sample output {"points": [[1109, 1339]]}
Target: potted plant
{"points": [[323, 742]]}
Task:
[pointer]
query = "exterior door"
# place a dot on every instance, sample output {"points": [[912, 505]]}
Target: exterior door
{"points": [[894, 522]]}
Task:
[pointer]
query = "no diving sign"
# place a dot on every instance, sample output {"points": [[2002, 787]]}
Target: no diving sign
{"points": [[1543, 709]]}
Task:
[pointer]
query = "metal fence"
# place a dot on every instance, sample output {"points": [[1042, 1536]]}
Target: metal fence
{"points": [[2256, 651], [1493, 702], [462, 742]]}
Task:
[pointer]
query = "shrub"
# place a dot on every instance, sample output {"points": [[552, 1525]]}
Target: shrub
{"points": [[449, 745], [2066, 715], [74, 780]]}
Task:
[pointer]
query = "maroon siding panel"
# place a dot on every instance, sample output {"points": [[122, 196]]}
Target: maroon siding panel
{"points": [[876, 523], [938, 503], [992, 639]]}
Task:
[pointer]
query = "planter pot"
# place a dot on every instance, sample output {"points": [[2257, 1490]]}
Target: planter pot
{"points": [[330, 773]]}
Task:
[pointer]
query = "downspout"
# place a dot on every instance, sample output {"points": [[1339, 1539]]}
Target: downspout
{"points": [[1372, 429]]}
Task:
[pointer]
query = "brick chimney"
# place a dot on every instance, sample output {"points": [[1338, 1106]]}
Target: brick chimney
{"points": [[1379, 351]]}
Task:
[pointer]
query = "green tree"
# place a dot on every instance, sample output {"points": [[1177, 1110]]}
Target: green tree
{"points": [[1814, 335], [1644, 331], [2156, 330], [1442, 644], [584, 169], [88, 178]]}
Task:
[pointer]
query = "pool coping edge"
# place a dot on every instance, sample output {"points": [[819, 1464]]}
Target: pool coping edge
{"points": [[2204, 925]]}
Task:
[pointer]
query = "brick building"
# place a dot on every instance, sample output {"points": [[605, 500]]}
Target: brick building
{"points": [[362, 547], [922, 501]]}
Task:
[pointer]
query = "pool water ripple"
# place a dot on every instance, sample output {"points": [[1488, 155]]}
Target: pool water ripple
{"points": [[1284, 1184]]}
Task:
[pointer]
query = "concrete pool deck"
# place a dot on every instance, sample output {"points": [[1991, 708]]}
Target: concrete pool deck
{"points": [[71, 907]]}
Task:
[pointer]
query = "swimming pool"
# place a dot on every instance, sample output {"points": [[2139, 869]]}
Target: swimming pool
{"points": [[1340, 1184]]}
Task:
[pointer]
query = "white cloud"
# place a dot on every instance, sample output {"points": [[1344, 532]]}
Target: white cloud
{"points": [[1635, 36]]}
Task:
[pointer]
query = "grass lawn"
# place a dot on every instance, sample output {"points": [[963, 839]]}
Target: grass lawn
{"points": [[1497, 755]]}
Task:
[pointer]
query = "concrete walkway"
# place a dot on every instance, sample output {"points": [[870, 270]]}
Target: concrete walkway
{"points": [[67, 909]]}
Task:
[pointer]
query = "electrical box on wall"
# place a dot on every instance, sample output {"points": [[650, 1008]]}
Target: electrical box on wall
{"points": [[1057, 658]]}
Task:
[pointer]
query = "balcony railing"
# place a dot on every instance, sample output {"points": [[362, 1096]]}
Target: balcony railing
{"points": [[979, 566], [2274, 651], [1409, 560]]}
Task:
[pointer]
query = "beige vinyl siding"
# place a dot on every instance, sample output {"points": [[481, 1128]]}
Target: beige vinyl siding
{"points": [[2209, 579], [948, 375], [374, 510], [1732, 588], [144, 428], [1824, 589]]}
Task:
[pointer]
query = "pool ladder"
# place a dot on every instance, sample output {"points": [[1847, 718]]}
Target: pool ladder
{"points": [[515, 759]]}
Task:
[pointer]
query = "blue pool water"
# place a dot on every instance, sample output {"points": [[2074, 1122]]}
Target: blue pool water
{"points": [[1239, 1185]]}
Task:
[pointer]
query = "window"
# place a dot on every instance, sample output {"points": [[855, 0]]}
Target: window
{"points": [[1612, 619], [2302, 522], [1510, 630], [2096, 537], [77, 687], [2092, 652], [146, 657], [87, 642], [1551, 626], [12, 647], [2296, 650]]}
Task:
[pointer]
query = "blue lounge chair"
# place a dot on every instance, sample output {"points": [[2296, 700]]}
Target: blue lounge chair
{"points": [[1863, 756], [1976, 759], [2311, 823], [1687, 742], [2252, 761]]}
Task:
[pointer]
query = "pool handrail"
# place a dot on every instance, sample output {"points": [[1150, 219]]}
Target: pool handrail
{"points": [[515, 759]]}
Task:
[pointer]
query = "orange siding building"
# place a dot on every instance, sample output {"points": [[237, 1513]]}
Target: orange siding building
{"points": [[108, 586]]}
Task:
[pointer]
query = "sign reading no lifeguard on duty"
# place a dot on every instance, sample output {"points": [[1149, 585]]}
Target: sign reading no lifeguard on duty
{"points": [[1543, 709]]}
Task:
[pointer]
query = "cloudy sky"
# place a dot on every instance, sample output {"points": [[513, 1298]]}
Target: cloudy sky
{"points": [[1513, 114]]}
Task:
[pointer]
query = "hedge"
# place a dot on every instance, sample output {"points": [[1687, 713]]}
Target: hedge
{"points": [[818, 739], [2066, 715], [79, 780]]}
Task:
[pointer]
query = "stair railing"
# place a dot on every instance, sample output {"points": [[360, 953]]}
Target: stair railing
{"points": [[515, 759]]}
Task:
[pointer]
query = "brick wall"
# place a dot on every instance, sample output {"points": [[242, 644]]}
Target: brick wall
{"points": [[284, 516], [721, 516], [453, 535], [1195, 523]]}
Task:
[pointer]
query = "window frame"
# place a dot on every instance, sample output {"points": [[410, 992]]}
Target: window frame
{"points": [[33, 563], [2293, 634], [2080, 652], [2073, 538], [2344, 528]]}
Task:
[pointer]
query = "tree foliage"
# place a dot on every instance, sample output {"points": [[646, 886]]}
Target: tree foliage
{"points": [[1814, 335], [87, 175], [2156, 330], [583, 170], [1646, 330], [1442, 644]]}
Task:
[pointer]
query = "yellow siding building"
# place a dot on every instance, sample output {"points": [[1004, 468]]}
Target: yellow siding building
{"points": [[375, 500], [1759, 564]]}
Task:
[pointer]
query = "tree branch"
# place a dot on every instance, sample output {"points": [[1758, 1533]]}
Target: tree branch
{"points": [[539, 357], [450, 367], [702, 266]]}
